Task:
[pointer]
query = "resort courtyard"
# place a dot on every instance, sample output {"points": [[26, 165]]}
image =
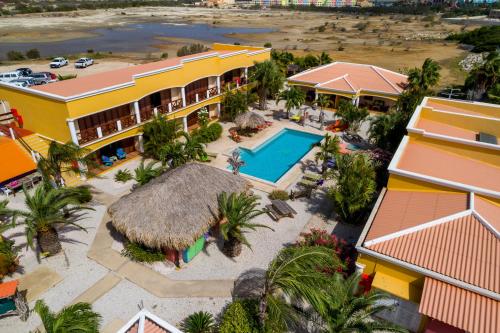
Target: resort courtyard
{"points": [[91, 268]]}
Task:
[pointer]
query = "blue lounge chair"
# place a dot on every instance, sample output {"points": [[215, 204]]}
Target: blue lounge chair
{"points": [[121, 154], [331, 163], [106, 161]]}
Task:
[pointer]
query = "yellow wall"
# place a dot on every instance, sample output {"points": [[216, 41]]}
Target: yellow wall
{"points": [[465, 122], [403, 283], [485, 110], [40, 114], [401, 183]]}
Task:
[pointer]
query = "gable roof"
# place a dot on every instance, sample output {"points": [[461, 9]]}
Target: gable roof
{"points": [[353, 78], [14, 162], [146, 322]]}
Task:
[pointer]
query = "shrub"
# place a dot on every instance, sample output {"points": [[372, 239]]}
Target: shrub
{"points": [[90, 51], [198, 322], [33, 54], [268, 44], [123, 176], [191, 49], [66, 77], [84, 193], [279, 195], [240, 316], [164, 55], [321, 28], [8, 258], [15, 56], [140, 253]]}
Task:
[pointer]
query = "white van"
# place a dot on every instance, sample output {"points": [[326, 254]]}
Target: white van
{"points": [[9, 76]]}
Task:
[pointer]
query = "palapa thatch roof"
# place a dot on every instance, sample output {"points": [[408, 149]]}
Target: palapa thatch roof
{"points": [[175, 209], [249, 120]]}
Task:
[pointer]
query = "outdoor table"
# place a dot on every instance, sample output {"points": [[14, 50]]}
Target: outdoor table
{"points": [[283, 208]]}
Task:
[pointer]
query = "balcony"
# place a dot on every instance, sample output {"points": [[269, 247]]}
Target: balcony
{"points": [[116, 125]]}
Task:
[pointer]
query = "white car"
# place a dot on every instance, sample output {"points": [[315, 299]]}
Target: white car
{"points": [[84, 62], [9, 76], [58, 62]]}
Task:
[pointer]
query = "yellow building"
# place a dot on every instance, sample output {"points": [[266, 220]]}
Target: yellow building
{"points": [[432, 240], [106, 111], [364, 85]]}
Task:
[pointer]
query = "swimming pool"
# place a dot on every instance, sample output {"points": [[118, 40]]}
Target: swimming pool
{"points": [[272, 159]]}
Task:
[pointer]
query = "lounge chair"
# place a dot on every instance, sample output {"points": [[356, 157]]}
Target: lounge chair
{"points": [[106, 160], [279, 209], [296, 118], [312, 176], [121, 154], [6, 191]]}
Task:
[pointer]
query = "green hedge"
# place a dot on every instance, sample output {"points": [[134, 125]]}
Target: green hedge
{"points": [[240, 316], [209, 133]]}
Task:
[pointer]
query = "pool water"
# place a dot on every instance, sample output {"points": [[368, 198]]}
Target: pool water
{"points": [[272, 159]]}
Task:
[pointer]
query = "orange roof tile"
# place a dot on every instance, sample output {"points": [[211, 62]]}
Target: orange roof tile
{"points": [[8, 289], [441, 128], [488, 210], [14, 161], [459, 307], [98, 81], [405, 209], [434, 162], [462, 248], [359, 76]]}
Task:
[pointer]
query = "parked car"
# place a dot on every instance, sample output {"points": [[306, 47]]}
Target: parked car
{"points": [[58, 62], [43, 77], [9, 76], [84, 62], [23, 82], [24, 71]]}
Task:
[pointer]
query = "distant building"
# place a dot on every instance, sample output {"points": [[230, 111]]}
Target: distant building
{"points": [[432, 241], [317, 3]]}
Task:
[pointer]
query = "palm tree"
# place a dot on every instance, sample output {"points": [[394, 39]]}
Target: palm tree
{"points": [[324, 58], [355, 186], [237, 211], [145, 173], [47, 208], [323, 101], [296, 274], [351, 115], [328, 149], [234, 103], [157, 133], [235, 161], [484, 77], [173, 154], [192, 148], [294, 98], [268, 80], [64, 158], [77, 318], [422, 79], [199, 322], [346, 310]]}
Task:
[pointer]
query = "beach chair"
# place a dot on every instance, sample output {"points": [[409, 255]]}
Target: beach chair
{"points": [[106, 160], [312, 176], [121, 154], [6, 191], [279, 209], [296, 118]]}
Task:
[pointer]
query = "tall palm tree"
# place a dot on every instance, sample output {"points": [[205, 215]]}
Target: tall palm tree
{"points": [[268, 80], [323, 101], [324, 58], [192, 148], [328, 149], [294, 98], [159, 132], [76, 318], [237, 212], [46, 209], [64, 158], [351, 115], [145, 173], [346, 310], [422, 79], [355, 186], [296, 274], [484, 77]]}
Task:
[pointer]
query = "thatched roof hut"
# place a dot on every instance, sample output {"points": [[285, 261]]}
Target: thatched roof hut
{"points": [[249, 120], [175, 209]]}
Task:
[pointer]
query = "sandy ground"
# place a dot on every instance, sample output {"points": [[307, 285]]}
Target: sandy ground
{"points": [[392, 41]]}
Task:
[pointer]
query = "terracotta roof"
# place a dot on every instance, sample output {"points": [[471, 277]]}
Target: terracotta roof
{"points": [[146, 322], [350, 77], [442, 128], [434, 162], [149, 327], [15, 161], [8, 289], [488, 210], [405, 209], [459, 307], [462, 248], [458, 107], [103, 80]]}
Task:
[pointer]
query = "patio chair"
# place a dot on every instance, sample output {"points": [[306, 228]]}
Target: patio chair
{"points": [[312, 176], [6, 191], [296, 118], [121, 154], [106, 160]]}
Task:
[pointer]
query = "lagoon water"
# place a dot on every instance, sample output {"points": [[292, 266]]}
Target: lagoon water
{"points": [[132, 38]]}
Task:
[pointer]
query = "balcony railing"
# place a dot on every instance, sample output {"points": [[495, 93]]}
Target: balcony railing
{"points": [[212, 92], [146, 114], [107, 128]]}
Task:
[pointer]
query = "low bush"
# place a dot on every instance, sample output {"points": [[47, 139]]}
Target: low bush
{"points": [[15, 56], [191, 49], [8, 258], [208, 133], [199, 322], [66, 77], [240, 316], [279, 195], [268, 44], [33, 54], [140, 253], [123, 176]]}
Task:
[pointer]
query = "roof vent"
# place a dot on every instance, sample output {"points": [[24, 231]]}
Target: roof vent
{"points": [[486, 138]]}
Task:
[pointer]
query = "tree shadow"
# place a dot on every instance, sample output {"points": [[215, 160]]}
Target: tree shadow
{"points": [[250, 284]]}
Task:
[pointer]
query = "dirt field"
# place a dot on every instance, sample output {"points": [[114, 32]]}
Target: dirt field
{"points": [[394, 42]]}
